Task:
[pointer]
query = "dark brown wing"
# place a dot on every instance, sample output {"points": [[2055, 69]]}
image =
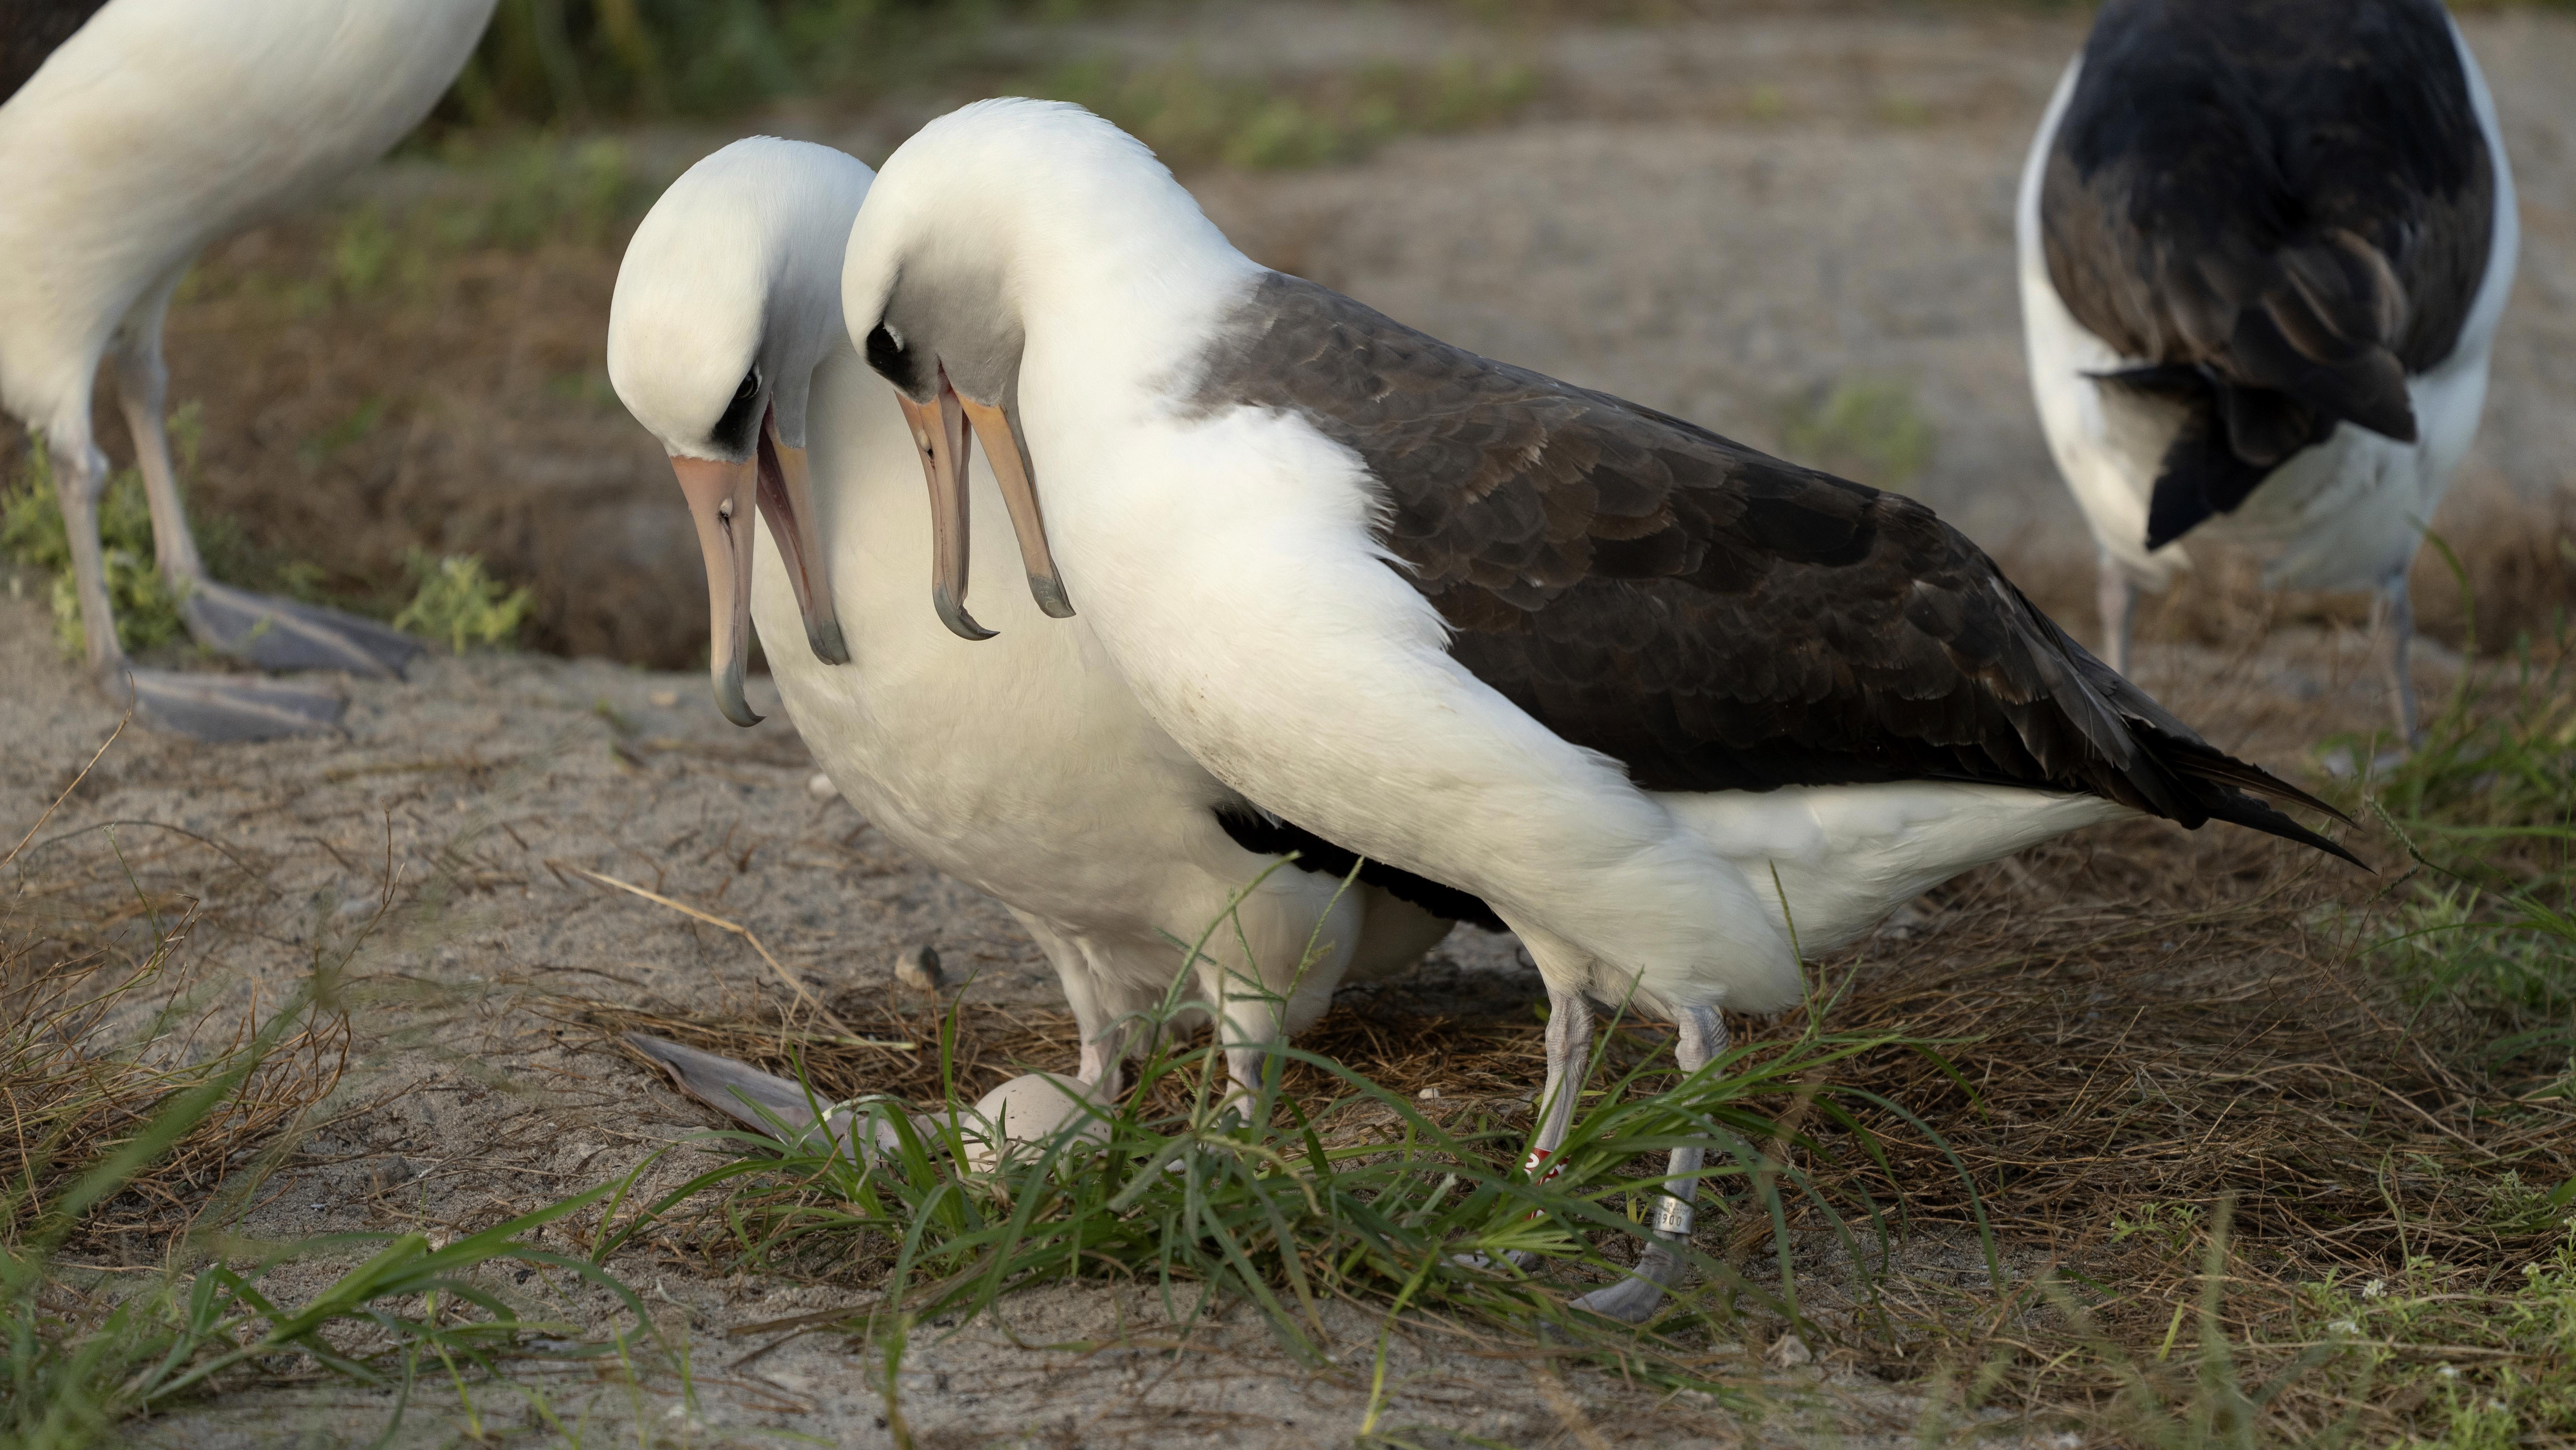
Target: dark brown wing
{"points": [[1711, 617], [31, 30], [2282, 207]]}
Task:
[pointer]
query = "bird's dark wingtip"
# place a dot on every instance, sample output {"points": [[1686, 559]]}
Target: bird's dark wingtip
{"points": [[2241, 809]]}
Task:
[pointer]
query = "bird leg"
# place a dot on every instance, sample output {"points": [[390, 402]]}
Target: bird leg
{"points": [[2392, 617], [1569, 1051], [1702, 1038], [1104, 1036], [1103, 1063], [274, 634], [2117, 598], [1249, 1026], [80, 477], [206, 707]]}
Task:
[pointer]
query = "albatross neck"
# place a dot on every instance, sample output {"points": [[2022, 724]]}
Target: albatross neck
{"points": [[1123, 272]]}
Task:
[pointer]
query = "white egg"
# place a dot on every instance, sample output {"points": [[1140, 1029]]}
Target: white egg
{"points": [[1026, 1113]]}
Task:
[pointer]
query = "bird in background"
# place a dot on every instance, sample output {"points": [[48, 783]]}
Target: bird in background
{"points": [[2264, 245], [133, 134], [1676, 711]]}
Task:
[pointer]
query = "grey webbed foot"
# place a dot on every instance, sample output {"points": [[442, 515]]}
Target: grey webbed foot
{"points": [[762, 1101], [1634, 1297], [219, 708], [281, 634]]}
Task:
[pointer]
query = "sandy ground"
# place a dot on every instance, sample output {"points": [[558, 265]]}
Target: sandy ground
{"points": [[484, 786], [1716, 217]]}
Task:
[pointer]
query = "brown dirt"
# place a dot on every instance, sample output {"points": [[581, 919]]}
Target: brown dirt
{"points": [[1719, 216]]}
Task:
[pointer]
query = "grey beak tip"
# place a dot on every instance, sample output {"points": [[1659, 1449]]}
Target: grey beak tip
{"points": [[829, 646], [1049, 593], [737, 710], [952, 612]]}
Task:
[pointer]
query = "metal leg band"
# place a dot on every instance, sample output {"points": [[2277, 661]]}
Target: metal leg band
{"points": [[1673, 1217]]}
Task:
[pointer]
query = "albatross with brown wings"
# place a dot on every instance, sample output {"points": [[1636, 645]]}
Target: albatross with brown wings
{"points": [[1673, 710]]}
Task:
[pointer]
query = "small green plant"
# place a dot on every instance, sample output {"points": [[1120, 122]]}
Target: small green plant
{"points": [[457, 602], [2486, 806], [2172, 1224], [1867, 429], [32, 534]]}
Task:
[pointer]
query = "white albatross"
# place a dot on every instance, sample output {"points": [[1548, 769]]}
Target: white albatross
{"points": [[1023, 767], [132, 134], [2264, 247], [1603, 669]]}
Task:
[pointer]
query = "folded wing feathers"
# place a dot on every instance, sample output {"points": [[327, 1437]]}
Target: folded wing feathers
{"points": [[1708, 616]]}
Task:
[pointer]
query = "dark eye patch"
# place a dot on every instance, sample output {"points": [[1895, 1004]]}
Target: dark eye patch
{"points": [[891, 361], [733, 431]]}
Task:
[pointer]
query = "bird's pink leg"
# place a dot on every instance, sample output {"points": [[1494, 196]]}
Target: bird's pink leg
{"points": [[142, 392], [2392, 618], [1702, 1039], [1569, 1050], [80, 477], [276, 634], [2117, 598]]}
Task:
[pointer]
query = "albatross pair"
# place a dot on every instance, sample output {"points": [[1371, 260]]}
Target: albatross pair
{"points": [[1022, 766], [1655, 700]]}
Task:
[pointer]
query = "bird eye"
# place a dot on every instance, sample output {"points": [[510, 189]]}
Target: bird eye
{"points": [[893, 360], [741, 417]]}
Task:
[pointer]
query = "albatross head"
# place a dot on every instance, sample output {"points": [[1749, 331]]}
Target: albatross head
{"points": [[980, 221], [726, 302]]}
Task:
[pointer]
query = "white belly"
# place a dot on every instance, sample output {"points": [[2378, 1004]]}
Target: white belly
{"points": [[1023, 765], [1020, 764]]}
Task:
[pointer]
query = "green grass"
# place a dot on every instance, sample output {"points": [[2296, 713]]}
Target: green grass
{"points": [[571, 63], [99, 1114], [2486, 811], [2464, 1357], [2478, 942], [578, 61], [1206, 1202]]}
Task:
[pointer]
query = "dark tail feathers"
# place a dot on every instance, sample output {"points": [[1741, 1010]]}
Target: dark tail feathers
{"points": [[2233, 791]]}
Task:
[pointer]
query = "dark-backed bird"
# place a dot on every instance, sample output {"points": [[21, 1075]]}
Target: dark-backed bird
{"points": [[2264, 246], [1664, 703], [1023, 767], [132, 134]]}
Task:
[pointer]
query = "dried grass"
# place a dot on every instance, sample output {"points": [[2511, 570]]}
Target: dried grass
{"points": [[2519, 555], [2122, 1072], [103, 992]]}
